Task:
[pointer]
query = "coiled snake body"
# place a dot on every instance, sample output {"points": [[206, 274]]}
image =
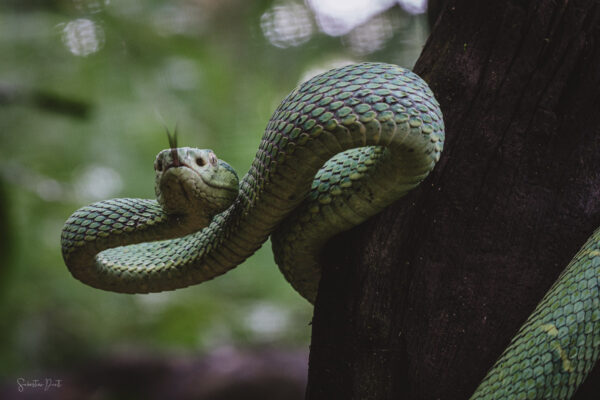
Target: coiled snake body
{"points": [[338, 149]]}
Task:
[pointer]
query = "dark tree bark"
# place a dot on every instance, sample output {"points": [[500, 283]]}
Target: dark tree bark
{"points": [[434, 9], [420, 301]]}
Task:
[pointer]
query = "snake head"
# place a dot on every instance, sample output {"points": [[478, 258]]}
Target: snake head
{"points": [[194, 183]]}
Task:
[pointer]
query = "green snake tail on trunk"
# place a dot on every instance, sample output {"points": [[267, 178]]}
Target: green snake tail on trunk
{"points": [[559, 343], [338, 149]]}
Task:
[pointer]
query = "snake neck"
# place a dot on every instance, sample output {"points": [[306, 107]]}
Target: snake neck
{"points": [[355, 106]]}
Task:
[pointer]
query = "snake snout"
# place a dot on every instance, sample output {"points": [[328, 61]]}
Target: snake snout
{"points": [[167, 159]]}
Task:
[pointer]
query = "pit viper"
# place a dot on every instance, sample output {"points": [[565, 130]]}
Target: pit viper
{"points": [[338, 149]]}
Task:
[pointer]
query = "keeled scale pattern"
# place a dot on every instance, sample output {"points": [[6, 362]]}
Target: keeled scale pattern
{"points": [[165, 256], [560, 343], [347, 107], [374, 105], [357, 104], [108, 220]]}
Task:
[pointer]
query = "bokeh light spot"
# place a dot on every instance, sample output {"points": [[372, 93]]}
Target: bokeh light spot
{"points": [[287, 25], [337, 18], [97, 182], [83, 37], [370, 36]]}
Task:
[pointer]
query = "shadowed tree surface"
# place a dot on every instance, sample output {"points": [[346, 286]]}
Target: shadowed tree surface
{"points": [[419, 302]]}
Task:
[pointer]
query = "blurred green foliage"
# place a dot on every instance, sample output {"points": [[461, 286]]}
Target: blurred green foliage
{"points": [[82, 107]]}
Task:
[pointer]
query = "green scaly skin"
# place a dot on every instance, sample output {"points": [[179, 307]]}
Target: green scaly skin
{"points": [[338, 149], [559, 343], [348, 108]]}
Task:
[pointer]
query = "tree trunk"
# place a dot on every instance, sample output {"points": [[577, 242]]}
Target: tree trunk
{"points": [[420, 301]]}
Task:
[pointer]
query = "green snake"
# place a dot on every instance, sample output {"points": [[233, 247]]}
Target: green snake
{"points": [[338, 149]]}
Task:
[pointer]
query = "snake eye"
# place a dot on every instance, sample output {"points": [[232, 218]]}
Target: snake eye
{"points": [[200, 161], [158, 165]]}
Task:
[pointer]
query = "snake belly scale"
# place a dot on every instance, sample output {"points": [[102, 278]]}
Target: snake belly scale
{"points": [[338, 149]]}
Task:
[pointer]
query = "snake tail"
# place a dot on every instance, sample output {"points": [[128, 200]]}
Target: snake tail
{"points": [[559, 344]]}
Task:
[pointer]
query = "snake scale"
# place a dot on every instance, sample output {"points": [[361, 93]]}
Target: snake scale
{"points": [[338, 149]]}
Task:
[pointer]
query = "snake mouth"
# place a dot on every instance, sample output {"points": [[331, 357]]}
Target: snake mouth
{"points": [[215, 186], [180, 164]]}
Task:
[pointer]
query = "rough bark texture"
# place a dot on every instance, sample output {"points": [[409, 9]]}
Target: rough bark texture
{"points": [[420, 301], [434, 9]]}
